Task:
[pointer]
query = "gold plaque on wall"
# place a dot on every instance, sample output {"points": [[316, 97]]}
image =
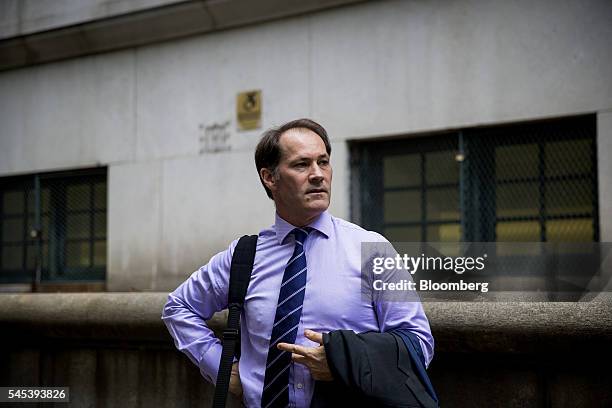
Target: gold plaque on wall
{"points": [[248, 110]]}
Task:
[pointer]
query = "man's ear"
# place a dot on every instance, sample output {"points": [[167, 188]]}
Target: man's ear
{"points": [[268, 178]]}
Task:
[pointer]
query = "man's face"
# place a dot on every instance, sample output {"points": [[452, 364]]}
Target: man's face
{"points": [[301, 185]]}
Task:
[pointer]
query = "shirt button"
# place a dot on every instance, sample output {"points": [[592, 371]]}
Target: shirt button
{"points": [[300, 386]]}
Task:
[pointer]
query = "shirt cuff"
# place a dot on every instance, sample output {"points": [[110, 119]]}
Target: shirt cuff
{"points": [[209, 362], [426, 355]]}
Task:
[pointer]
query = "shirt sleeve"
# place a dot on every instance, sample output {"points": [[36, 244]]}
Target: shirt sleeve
{"points": [[403, 311], [191, 304], [410, 316]]}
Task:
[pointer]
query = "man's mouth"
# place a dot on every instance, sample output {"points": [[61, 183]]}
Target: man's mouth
{"points": [[316, 190]]}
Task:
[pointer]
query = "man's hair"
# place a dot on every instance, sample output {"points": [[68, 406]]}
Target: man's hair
{"points": [[268, 151]]}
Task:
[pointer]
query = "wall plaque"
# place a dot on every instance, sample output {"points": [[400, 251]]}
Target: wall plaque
{"points": [[248, 110]]}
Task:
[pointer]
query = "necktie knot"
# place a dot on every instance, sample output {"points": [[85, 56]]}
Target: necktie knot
{"points": [[301, 234]]}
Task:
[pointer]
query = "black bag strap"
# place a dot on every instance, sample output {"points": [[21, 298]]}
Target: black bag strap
{"points": [[240, 276]]}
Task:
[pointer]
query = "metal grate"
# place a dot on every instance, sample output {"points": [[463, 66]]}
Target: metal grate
{"points": [[528, 182], [53, 227]]}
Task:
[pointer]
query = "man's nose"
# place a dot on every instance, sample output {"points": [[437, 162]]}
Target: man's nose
{"points": [[316, 173]]}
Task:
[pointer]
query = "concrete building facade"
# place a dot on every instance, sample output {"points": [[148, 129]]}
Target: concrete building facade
{"points": [[133, 85]]}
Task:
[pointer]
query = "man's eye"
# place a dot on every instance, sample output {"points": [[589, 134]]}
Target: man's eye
{"points": [[323, 162]]}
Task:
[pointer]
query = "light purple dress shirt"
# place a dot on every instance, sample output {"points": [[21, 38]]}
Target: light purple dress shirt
{"points": [[332, 301]]}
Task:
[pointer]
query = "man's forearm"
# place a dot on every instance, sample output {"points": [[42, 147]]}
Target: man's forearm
{"points": [[192, 336]]}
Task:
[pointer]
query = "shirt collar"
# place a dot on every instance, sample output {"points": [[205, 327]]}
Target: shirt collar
{"points": [[323, 224]]}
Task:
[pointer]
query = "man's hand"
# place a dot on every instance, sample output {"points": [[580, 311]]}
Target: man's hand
{"points": [[235, 386], [312, 357]]}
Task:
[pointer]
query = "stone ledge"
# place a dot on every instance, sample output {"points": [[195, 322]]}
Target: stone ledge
{"points": [[522, 327]]}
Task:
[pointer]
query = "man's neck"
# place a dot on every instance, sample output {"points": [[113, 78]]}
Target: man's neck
{"points": [[299, 221]]}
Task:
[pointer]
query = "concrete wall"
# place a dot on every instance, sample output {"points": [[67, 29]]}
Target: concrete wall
{"points": [[604, 149], [34, 32], [375, 69], [113, 350], [21, 17]]}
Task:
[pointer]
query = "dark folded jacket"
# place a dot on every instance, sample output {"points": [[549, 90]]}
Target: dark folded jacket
{"points": [[369, 369]]}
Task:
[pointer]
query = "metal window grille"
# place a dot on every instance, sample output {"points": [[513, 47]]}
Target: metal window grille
{"points": [[53, 227], [526, 182]]}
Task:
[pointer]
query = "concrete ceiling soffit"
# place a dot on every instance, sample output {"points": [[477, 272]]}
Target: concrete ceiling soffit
{"points": [[149, 26]]}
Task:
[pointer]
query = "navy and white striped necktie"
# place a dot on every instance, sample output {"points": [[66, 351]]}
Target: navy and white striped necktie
{"points": [[286, 322]]}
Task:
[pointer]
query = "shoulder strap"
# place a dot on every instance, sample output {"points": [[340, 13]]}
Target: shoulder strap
{"points": [[240, 275]]}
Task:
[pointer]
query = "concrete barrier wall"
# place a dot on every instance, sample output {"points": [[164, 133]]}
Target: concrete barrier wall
{"points": [[112, 350]]}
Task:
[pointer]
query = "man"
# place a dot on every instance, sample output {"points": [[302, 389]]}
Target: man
{"points": [[306, 280]]}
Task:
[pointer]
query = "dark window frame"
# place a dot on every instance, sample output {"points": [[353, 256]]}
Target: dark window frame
{"points": [[54, 266], [477, 209]]}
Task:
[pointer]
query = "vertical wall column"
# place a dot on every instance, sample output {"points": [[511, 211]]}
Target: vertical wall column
{"points": [[604, 173]]}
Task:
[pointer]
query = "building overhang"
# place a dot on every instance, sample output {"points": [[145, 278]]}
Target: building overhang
{"points": [[152, 25]]}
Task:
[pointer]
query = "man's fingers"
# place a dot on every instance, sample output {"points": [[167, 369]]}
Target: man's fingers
{"points": [[314, 336], [299, 359], [285, 347], [293, 348]]}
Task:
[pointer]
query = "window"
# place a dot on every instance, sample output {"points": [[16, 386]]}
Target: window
{"points": [[527, 182], [53, 227]]}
